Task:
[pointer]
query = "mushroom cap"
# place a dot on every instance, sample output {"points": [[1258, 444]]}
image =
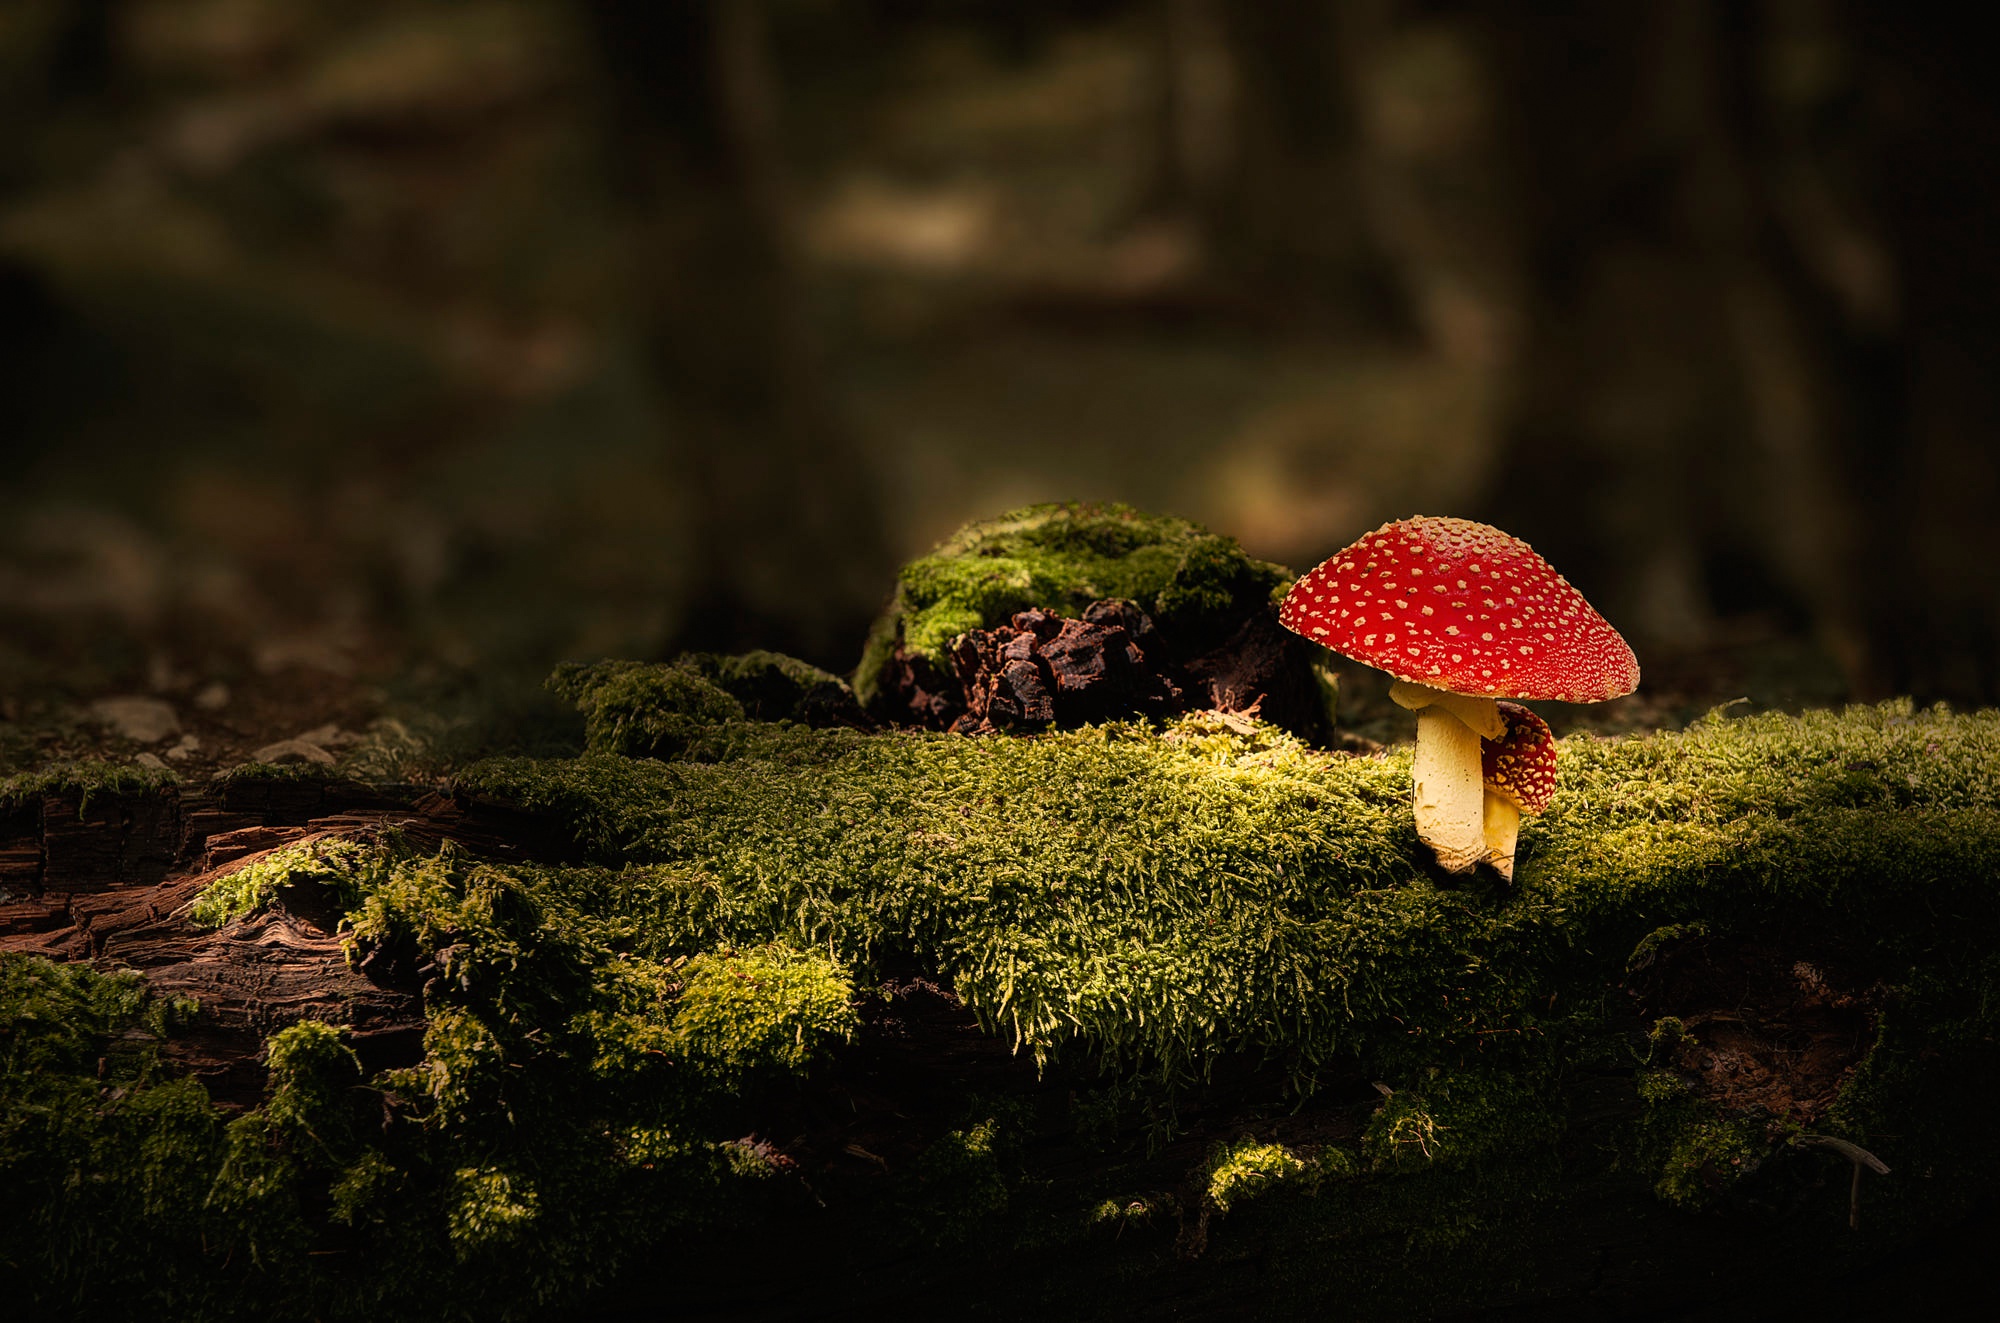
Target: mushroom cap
{"points": [[1463, 607], [1521, 765]]}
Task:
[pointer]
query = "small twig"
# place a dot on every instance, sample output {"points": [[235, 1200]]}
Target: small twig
{"points": [[1855, 1154]]}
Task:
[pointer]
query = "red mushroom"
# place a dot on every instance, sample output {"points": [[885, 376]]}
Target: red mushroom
{"points": [[1462, 615], [1518, 773]]}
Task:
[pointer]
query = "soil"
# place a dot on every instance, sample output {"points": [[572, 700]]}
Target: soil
{"points": [[1768, 1029]]}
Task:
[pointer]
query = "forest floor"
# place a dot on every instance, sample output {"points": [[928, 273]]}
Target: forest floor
{"points": [[376, 737]]}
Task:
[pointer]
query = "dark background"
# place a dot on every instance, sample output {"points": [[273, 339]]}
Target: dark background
{"points": [[405, 341]]}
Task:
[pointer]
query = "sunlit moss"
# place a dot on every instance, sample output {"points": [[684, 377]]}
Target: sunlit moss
{"points": [[1167, 896], [741, 1013], [1242, 1171], [332, 863]]}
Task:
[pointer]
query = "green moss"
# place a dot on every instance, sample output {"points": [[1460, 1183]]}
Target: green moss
{"points": [[100, 1151], [338, 865], [960, 1186], [1246, 1169], [86, 779], [1451, 1118], [1123, 899], [1062, 557], [742, 1014], [249, 777], [774, 687], [311, 1067], [1698, 1152], [1171, 896], [686, 707], [490, 1208], [583, 1088], [643, 710]]}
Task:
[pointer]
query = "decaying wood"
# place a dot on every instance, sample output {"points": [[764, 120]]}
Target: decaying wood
{"points": [[110, 884], [1107, 662]]}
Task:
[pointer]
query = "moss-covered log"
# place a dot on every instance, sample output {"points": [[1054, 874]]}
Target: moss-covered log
{"points": [[1066, 1001]]}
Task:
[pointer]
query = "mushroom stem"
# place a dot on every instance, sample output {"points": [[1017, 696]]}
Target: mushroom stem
{"points": [[1502, 829], [1448, 789], [1481, 714]]}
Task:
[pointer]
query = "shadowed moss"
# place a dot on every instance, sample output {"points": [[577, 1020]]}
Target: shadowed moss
{"points": [[1061, 558], [582, 1089], [959, 1187], [1698, 1151], [1452, 1118], [86, 780], [672, 709]]}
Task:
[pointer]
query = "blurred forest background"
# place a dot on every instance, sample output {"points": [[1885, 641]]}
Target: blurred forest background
{"points": [[405, 341]]}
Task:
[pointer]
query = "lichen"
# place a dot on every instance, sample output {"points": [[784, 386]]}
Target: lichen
{"points": [[1062, 557]]}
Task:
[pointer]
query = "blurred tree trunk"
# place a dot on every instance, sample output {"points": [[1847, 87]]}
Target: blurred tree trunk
{"points": [[1715, 411], [54, 57], [1623, 416], [1289, 216], [1923, 460], [1187, 112], [786, 539]]}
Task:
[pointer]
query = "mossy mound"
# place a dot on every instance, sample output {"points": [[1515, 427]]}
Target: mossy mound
{"points": [[1193, 583]]}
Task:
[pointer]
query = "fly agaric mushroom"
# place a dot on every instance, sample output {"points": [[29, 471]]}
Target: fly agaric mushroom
{"points": [[1462, 615], [1518, 772]]}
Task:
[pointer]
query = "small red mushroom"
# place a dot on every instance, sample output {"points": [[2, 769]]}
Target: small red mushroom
{"points": [[1462, 615], [1518, 773]]}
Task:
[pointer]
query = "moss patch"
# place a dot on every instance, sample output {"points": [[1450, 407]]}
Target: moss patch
{"points": [[337, 864], [1168, 897], [673, 709], [86, 780], [584, 1086]]}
